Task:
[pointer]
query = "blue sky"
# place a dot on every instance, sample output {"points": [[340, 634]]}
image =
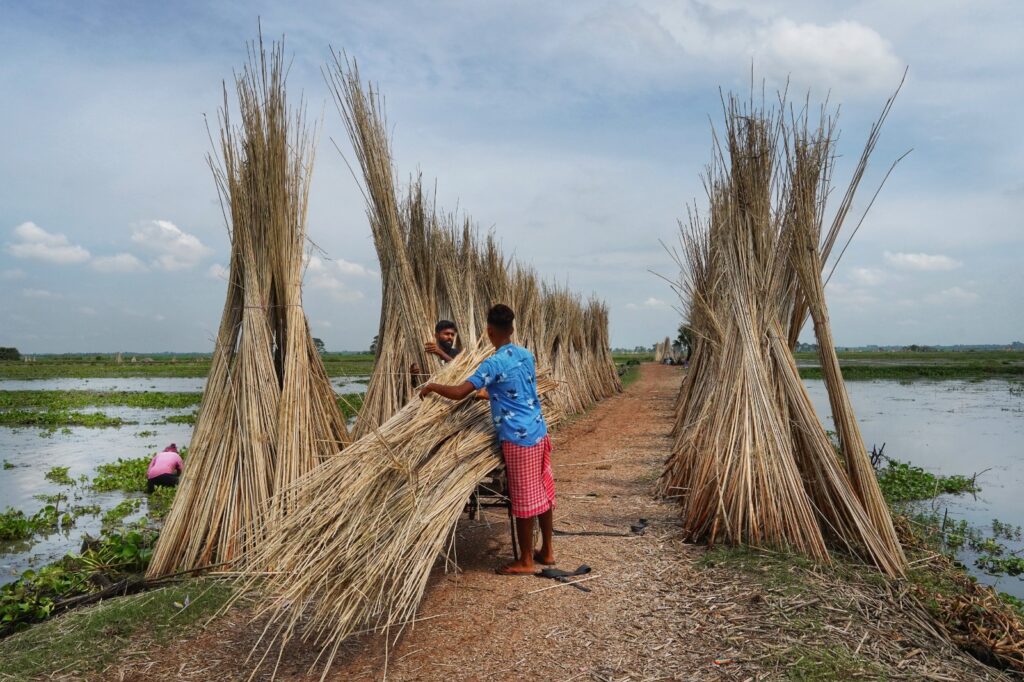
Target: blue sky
{"points": [[575, 130]]}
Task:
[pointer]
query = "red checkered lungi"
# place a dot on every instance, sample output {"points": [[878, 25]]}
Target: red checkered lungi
{"points": [[531, 484]]}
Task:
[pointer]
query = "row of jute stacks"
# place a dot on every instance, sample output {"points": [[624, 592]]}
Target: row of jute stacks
{"points": [[341, 533], [369, 525], [751, 461]]}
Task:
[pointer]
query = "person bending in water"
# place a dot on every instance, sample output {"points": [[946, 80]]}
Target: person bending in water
{"points": [[509, 378], [164, 468]]}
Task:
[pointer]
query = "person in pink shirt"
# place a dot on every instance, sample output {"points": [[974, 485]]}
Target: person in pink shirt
{"points": [[164, 468]]}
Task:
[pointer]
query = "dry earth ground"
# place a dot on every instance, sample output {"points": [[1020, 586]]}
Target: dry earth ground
{"points": [[658, 608]]}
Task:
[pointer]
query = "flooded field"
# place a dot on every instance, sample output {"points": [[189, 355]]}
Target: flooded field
{"points": [[947, 427], [951, 427], [28, 453]]}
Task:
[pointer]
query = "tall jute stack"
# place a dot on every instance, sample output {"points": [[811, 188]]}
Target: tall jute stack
{"points": [[751, 462], [268, 413], [366, 527]]}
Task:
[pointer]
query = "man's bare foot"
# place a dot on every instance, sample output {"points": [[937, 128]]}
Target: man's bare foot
{"points": [[521, 567], [546, 559]]}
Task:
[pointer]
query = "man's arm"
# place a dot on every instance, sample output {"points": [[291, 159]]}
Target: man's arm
{"points": [[451, 392]]}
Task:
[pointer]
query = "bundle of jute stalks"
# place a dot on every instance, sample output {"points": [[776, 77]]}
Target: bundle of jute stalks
{"points": [[371, 523], [434, 266], [751, 461], [268, 413], [366, 527]]}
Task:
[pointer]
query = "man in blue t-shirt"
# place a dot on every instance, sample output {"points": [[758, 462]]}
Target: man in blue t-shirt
{"points": [[508, 379]]}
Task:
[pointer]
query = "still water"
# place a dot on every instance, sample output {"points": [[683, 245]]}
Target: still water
{"points": [[951, 427], [30, 454]]}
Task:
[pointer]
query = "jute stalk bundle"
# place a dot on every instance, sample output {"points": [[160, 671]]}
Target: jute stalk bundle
{"points": [[751, 461], [268, 413], [371, 523], [365, 528]]}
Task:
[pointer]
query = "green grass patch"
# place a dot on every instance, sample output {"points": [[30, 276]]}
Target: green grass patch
{"points": [[82, 643], [629, 376], [189, 418], [829, 663], [910, 366], [82, 365]]}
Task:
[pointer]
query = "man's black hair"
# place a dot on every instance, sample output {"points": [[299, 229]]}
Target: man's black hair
{"points": [[500, 316], [444, 324]]}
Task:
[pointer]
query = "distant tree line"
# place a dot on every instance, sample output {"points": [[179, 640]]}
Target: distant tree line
{"points": [[9, 354]]}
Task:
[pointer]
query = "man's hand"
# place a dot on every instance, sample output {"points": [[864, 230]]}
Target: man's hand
{"points": [[434, 349], [426, 390]]}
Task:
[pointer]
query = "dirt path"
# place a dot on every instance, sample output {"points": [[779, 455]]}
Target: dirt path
{"points": [[657, 609]]}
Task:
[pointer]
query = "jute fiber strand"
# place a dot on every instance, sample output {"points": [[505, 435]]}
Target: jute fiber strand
{"points": [[365, 528], [751, 462], [268, 413]]}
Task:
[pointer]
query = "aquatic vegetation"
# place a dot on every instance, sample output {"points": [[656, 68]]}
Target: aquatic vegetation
{"points": [[159, 502], [145, 434], [903, 482], [189, 418], [8, 465], [350, 404], [54, 419], [36, 594], [59, 475], [128, 475], [17, 525], [71, 400], [117, 514]]}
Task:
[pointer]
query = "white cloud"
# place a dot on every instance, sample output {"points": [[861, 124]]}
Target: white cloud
{"points": [[868, 277], [122, 262], [350, 268], [322, 276], [175, 249], [39, 293], [35, 242], [324, 281], [846, 295], [844, 52], [12, 274], [218, 271], [651, 302], [921, 261], [953, 296]]}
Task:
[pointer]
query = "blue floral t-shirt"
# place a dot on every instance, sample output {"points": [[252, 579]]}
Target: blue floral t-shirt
{"points": [[510, 377]]}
